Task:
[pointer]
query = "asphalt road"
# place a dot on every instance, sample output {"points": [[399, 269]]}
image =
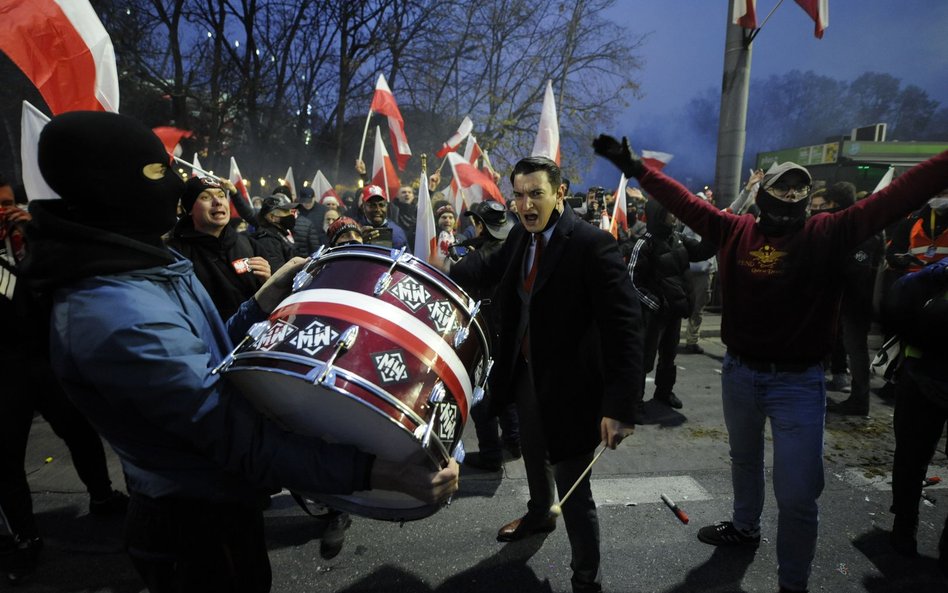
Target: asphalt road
{"points": [[645, 548]]}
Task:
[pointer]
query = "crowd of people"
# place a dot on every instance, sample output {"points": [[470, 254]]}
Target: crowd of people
{"points": [[142, 293]]}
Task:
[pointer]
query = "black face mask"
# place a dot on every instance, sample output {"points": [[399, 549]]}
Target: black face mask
{"points": [[287, 223], [778, 217]]}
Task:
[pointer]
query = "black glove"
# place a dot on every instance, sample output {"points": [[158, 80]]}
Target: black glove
{"points": [[619, 155]]}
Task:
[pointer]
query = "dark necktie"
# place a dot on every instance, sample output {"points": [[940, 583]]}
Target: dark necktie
{"points": [[532, 273]]}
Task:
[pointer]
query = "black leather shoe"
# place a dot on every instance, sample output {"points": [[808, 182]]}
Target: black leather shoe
{"points": [[21, 563], [670, 400], [513, 451], [847, 407], [524, 527], [478, 460], [334, 536], [693, 349]]}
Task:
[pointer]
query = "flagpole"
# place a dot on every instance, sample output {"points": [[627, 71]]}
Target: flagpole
{"points": [[365, 133], [195, 168]]}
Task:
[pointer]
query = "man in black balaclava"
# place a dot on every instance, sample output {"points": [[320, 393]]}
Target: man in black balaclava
{"points": [[275, 224], [134, 340]]}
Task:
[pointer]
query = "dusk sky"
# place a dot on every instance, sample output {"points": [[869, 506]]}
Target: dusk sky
{"points": [[684, 55]]}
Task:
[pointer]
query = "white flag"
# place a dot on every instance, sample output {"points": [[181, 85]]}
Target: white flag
{"points": [[31, 124]]}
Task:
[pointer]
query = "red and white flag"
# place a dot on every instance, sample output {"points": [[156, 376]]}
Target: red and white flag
{"points": [[886, 180], [197, 169], [64, 50], [656, 160], [819, 11], [383, 101], [548, 134], [472, 152], [474, 185], [32, 123], [238, 181], [744, 13], [322, 187], [620, 213], [290, 183], [383, 171], [467, 126], [171, 138], [426, 233]]}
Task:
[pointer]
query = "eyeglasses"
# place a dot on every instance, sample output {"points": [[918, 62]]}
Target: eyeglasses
{"points": [[782, 190]]}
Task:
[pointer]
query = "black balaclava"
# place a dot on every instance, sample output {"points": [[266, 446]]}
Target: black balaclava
{"points": [[287, 223], [96, 161], [778, 217]]}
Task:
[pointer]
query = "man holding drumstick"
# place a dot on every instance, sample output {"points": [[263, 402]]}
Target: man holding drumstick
{"points": [[570, 354], [134, 340]]}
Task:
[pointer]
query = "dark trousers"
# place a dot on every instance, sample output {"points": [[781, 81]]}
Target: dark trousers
{"points": [[662, 333], [919, 423], [579, 511], [489, 427], [30, 386], [184, 546], [855, 326]]}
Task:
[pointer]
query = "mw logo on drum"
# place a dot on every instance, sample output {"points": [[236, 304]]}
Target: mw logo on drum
{"points": [[390, 366]]}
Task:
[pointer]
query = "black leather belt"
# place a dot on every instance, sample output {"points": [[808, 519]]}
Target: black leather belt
{"points": [[773, 367]]}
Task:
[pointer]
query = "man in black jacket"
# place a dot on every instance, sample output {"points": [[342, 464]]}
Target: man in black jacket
{"points": [[275, 223], [229, 264], [553, 362]]}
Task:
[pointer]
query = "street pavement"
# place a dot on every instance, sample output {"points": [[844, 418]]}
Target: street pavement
{"points": [[645, 548]]}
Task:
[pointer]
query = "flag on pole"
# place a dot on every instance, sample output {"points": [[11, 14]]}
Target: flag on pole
{"points": [[819, 12], [656, 160], [171, 138], [548, 134], [885, 181], [467, 126], [426, 234], [383, 101], [196, 166], [472, 182], [322, 187], [32, 122], [383, 171], [620, 213], [290, 183], [64, 50], [744, 13], [238, 181]]}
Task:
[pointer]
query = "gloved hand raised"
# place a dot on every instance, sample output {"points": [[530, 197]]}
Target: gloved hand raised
{"points": [[619, 155]]}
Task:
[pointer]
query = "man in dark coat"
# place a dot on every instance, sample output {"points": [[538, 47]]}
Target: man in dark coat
{"points": [[571, 372], [275, 224]]}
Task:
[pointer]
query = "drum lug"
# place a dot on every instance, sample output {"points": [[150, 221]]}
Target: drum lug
{"points": [[459, 452], [465, 331], [304, 276], [437, 393], [343, 344], [478, 395], [253, 334], [381, 285]]}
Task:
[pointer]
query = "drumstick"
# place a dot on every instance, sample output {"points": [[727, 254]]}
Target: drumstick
{"points": [[557, 509]]}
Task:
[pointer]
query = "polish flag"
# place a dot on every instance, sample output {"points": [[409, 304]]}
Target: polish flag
{"points": [[238, 181], [744, 13], [384, 102], [885, 181], [290, 183], [819, 11], [383, 171], [620, 213], [322, 187], [472, 151], [548, 135], [171, 138], [656, 160], [472, 182], [426, 233], [197, 169], [32, 122], [64, 50], [467, 126]]}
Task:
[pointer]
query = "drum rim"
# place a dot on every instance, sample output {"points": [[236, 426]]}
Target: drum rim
{"points": [[350, 377]]}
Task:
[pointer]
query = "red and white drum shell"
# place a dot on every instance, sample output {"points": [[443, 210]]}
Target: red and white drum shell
{"points": [[378, 393]]}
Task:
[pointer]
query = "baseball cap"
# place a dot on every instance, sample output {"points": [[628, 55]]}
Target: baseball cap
{"points": [[276, 202], [777, 171], [371, 191], [494, 217]]}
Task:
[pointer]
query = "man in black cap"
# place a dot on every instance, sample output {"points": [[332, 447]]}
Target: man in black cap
{"points": [[491, 225], [275, 223], [781, 286], [229, 264], [135, 341], [550, 361]]}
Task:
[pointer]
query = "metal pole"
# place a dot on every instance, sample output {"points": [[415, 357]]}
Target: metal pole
{"points": [[733, 117]]}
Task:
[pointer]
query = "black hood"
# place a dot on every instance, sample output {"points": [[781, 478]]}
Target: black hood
{"points": [[60, 251], [655, 215]]}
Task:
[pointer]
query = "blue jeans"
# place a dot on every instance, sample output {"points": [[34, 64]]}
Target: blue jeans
{"points": [[795, 403]]}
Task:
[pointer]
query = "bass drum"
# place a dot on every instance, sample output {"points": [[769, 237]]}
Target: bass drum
{"points": [[373, 348]]}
